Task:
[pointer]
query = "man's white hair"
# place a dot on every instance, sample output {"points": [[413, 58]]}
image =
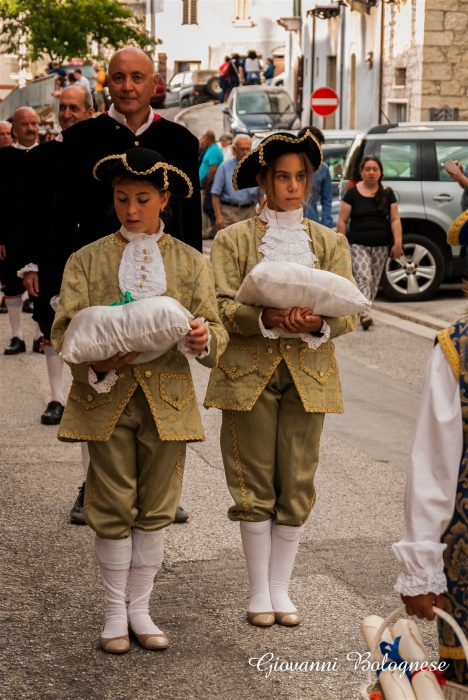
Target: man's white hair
{"points": [[4, 123], [239, 137]]}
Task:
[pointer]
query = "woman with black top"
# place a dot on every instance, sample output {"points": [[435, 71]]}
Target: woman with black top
{"points": [[375, 227]]}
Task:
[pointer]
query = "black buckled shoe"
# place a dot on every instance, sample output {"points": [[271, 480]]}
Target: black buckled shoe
{"points": [[3, 308], [181, 515], [76, 513], [28, 306], [53, 413], [15, 347], [38, 345]]}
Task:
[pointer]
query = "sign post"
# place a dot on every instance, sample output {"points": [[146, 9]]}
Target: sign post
{"points": [[324, 101]]}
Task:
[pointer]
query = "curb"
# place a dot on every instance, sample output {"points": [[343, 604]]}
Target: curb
{"points": [[193, 108], [413, 316], [402, 324]]}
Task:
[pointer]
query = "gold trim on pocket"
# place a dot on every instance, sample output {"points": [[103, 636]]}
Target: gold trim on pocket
{"points": [[95, 401], [232, 372], [180, 403], [320, 377]]}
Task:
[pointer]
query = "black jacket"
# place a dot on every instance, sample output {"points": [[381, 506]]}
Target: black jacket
{"points": [[14, 196], [83, 205]]}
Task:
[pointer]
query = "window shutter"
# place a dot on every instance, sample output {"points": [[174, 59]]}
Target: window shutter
{"points": [[193, 11], [185, 11]]}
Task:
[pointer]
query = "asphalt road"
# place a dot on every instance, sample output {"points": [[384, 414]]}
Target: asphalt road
{"points": [[52, 599]]}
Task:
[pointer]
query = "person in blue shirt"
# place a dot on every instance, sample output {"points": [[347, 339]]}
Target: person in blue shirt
{"points": [[321, 187], [269, 71], [210, 161], [230, 205]]}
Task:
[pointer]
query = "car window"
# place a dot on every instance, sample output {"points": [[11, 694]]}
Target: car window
{"points": [[399, 158], [335, 164], [264, 103], [188, 78], [454, 150], [176, 80]]}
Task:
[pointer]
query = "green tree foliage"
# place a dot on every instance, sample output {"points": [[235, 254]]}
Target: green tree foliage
{"points": [[64, 29]]}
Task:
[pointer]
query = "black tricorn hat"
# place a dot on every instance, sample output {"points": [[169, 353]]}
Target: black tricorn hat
{"points": [[145, 164], [271, 147]]}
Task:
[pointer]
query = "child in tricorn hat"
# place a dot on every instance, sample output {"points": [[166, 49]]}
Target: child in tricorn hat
{"points": [[136, 418], [274, 391]]}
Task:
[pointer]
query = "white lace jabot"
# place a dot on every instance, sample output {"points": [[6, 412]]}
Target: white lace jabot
{"points": [[286, 238], [141, 269]]}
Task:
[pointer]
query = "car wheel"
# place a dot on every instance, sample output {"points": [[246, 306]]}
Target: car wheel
{"points": [[418, 274], [213, 87], [185, 102]]}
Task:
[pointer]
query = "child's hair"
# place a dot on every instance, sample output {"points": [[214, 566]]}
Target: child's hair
{"points": [[268, 171], [165, 213], [381, 196]]}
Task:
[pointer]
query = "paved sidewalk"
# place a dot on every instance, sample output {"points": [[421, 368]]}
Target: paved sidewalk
{"points": [[208, 116]]}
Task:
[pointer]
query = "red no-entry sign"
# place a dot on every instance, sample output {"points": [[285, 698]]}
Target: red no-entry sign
{"points": [[324, 101]]}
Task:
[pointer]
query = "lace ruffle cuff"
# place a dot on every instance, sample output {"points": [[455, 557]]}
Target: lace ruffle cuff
{"points": [[31, 267], [106, 384], [420, 584], [313, 341]]}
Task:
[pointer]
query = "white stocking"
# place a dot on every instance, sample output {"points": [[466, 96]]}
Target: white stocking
{"points": [[84, 458], [256, 543], [15, 307], [147, 557], [55, 372], [114, 558], [284, 544]]}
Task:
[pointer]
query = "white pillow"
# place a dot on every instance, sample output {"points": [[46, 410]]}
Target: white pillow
{"points": [[150, 326], [284, 285]]}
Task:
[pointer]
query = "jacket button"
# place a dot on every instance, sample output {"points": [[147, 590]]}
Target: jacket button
{"points": [[143, 267], [148, 373], [271, 351], [90, 398], [137, 143], [122, 375], [144, 250], [288, 347], [117, 127], [320, 374]]}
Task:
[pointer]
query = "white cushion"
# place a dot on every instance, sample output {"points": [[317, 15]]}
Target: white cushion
{"points": [[150, 326], [284, 285]]}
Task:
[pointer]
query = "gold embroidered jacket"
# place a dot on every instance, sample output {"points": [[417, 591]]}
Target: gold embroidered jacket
{"points": [[249, 360], [91, 279]]}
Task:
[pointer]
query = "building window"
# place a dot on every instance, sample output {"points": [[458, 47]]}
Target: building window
{"points": [[189, 11], [400, 77], [397, 110], [243, 9]]}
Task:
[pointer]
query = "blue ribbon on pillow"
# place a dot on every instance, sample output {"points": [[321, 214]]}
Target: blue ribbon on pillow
{"points": [[391, 651], [123, 300]]}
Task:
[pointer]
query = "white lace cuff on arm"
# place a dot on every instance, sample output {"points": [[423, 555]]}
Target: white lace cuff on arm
{"points": [[106, 384], [313, 341], [31, 267], [412, 584], [184, 350]]}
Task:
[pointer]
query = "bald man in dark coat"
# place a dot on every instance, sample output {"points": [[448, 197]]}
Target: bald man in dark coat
{"points": [[130, 122]]}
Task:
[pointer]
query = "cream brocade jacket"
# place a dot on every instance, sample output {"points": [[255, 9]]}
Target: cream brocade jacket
{"points": [[250, 359], [91, 278]]}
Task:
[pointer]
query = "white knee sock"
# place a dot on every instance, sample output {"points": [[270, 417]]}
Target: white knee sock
{"points": [[256, 543], [37, 332], [114, 557], [55, 372], [147, 557], [15, 307], [84, 458], [284, 544]]}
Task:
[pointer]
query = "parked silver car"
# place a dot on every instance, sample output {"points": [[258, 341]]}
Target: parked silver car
{"points": [[413, 155]]}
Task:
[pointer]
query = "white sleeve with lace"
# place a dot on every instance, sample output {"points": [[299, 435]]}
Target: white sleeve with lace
{"points": [[313, 341], [106, 384], [30, 267], [431, 483]]}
